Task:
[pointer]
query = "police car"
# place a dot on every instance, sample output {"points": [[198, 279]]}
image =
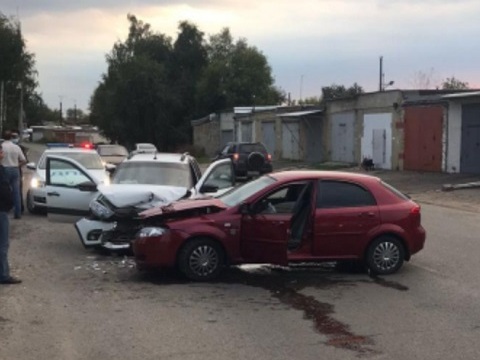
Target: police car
{"points": [[63, 174]]}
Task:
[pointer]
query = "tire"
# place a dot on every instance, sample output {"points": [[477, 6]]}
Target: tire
{"points": [[32, 209], [385, 255], [255, 161], [201, 259]]}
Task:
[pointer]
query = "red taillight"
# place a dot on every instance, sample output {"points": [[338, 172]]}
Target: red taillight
{"points": [[236, 156], [415, 210], [269, 157], [87, 146]]}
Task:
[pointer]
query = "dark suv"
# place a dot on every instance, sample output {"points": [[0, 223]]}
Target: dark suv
{"points": [[249, 159]]}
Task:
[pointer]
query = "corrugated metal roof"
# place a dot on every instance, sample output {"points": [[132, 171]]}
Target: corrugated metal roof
{"points": [[249, 109], [300, 113], [462, 95]]}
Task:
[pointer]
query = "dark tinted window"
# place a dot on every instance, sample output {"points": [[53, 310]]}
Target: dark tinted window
{"points": [[249, 148], [334, 194]]}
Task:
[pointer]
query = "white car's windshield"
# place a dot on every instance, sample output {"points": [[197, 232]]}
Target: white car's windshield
{"points": [[90, 161], [241, 193], [153, 173]]}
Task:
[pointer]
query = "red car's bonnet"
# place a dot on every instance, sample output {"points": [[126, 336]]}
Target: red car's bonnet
{"points": [[182, 205]]}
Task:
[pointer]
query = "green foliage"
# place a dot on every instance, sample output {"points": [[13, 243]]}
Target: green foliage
{"points": [[335, 91], [454, 84], [154, 87], [17, 68]]}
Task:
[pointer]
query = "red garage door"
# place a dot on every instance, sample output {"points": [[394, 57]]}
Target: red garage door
{"points": [[423, 138]]}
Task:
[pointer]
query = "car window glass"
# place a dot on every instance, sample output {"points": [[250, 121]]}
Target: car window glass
{"points": [[153, 173], [65, 174], [335, 194], [225, 149], [243, 192], [89, 160], [113, 150], [249, 148], [281, 201], [220, 177], [231, 149]]}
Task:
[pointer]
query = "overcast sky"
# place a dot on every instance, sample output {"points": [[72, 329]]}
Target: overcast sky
{"points": [[308, 43]]}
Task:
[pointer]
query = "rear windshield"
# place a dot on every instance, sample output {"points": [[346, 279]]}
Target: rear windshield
{"points": [[153, 173], [395, 191], [114, 150], [90, 160], [249, 148]]}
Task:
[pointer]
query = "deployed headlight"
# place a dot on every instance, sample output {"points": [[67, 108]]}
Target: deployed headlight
{"points": [[36, 182], [100, 210], [151, 232], [106, 181]]}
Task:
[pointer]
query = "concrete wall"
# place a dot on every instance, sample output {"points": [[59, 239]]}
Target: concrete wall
{"points": [[207, 136]]}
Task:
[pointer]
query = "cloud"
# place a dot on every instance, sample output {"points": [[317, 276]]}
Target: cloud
{"points": [[327, 41]]}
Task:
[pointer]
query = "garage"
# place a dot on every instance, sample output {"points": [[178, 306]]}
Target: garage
{"points": [[470, 148]]}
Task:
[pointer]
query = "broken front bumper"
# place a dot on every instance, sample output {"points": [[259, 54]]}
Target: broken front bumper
{"points": [[92, 231]]}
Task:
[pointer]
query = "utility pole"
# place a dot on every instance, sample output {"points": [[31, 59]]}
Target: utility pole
{"points": [[61, 114], [301, 87], [380, 85], [20, 112]]}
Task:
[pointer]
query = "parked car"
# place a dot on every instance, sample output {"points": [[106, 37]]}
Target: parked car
{"points": [[249, 159], [112, 153], [36, 197], [144, 148], [282, 218], [107, 215]]}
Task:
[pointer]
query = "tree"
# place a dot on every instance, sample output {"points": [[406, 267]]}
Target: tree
{"points": [[18, 74], [335, 91], [153, 87], [424, 79], [237, 75], [454, 84]]}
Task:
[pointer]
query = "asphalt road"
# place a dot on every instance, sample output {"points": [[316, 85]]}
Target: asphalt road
{"points": [[78, 304]]}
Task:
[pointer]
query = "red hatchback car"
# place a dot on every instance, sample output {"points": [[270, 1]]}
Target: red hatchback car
{"points": [[281, 218]]}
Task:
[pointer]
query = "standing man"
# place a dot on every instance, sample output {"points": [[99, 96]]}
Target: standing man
{"points": [[6, 203], [13, 158]]}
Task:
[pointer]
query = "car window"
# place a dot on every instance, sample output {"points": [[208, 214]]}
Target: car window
{"points": [[243, 192], [221, 177], [153, 173], [249, 148], [65, 174], [335, 194], [89, 160], [397, 192], [281, 201], [113, 150]]}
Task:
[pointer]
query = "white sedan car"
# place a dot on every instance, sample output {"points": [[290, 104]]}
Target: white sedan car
{"points": [[140, 182], [89, 159]]}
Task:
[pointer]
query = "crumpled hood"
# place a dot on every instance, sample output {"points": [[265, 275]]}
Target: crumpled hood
{"points": [[183, 205], [121, 195]]}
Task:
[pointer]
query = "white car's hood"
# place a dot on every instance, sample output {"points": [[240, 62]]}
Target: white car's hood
{"points": [[121, 195]]}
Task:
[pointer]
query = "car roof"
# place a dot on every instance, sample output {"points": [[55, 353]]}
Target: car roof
{"points": [[69, 150], [160, 157], [312, 174]]}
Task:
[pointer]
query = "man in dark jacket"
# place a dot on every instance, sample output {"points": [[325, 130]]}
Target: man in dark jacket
{"points": [[6, 204]]}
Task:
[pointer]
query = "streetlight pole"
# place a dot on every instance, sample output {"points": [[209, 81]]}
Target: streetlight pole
{"points": [[61, 114]]}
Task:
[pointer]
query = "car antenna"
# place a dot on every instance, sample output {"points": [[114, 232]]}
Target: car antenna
{"points": [[155, 155]]}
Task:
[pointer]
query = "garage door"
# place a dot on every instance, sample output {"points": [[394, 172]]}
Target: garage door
{"points": [[290, 141], [470, 150]]}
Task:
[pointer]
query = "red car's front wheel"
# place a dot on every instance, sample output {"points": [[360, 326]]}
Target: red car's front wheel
{"points": [[201, 259]]}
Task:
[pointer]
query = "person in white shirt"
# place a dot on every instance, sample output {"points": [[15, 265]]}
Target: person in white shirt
{"points": [[13, 158]]}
